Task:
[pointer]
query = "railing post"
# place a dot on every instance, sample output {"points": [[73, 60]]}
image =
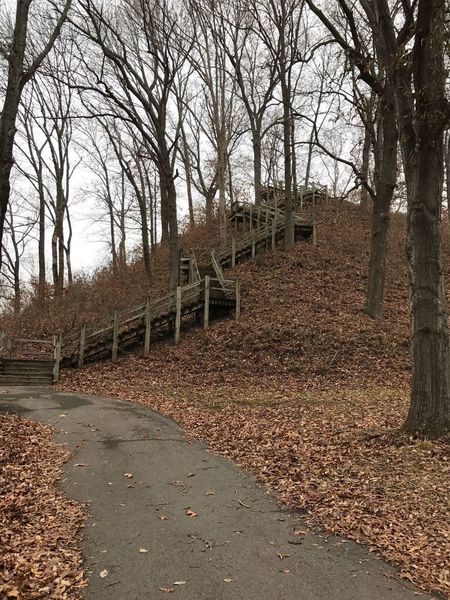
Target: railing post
{"points": [[115, 339], [206, 302], [233, 252], [253, 246], [178, 316], [266, 226], [302, 187], [58, 346], [148, 323], [82, 347], [251, 218], [274, 233], [314, 234], [237, 309]]}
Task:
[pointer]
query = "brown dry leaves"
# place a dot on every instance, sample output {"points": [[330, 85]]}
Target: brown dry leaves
{"points": [[38, 525], [307, 392]]}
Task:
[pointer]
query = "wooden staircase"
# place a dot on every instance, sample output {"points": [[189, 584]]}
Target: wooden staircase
{"points": [[27, 361], [202, 292], [201, 299], [262, 228], [26, 372]]}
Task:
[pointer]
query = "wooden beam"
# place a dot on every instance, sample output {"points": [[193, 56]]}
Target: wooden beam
{"points": [[206, 302], [237, 310], [274, 233], [81, 347], [178, 316], [57, 351], [253, 246], [148, 324], [233, 252], [115, 339]]}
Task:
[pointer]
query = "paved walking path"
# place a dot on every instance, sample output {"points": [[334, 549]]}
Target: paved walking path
{"points": [[205, 523]]}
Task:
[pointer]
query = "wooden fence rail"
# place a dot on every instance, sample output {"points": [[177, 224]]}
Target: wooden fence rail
{"points": [[138, 322]]}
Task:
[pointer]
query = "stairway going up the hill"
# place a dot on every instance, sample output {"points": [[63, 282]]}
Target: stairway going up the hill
{"points": [[203, 291], [27, 361], [262, 228]]}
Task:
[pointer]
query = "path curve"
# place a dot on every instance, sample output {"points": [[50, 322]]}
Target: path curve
{"points": [[203, 520]]}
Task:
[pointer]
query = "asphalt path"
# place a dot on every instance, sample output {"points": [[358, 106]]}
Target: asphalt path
{"points": [[165, 516]]}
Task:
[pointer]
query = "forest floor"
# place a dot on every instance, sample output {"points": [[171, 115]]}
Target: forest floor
{"points": [[39, 556], [309, 394]]}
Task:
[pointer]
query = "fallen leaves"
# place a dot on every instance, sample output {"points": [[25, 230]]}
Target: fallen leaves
{"points": [[143, 551], [310, 396], [103, 573], [191, 513], [38, 525]]}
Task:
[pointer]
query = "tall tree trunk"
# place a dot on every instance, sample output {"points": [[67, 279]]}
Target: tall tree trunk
{"points": [[10, 108], [41, 246], [164, 212], [17, 288], [386, 178], [257, 165], [188, 172], [168, 190], [364, 202], [377, 261], [286, 99], [173, 233], [447, 170], [68, 249], [145, 235], [429, 411]]}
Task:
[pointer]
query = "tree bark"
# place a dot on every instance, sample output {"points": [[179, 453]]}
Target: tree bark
{"points": [[364, 202], [257, 166], [422, 146], [385, 180], [11, 103]]}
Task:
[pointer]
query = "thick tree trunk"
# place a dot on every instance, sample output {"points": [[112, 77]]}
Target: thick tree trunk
{"points": [[222, 182], [288, 204], [164, 212], [385, 179], [429, 411], [145, 235], [173, 235], [10, 108], [169, 192], [377, 261], [364, 202], [447, 170]]}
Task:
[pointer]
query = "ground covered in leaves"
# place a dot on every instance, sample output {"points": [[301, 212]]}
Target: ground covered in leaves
{"points": [[38, 525], [309, 394]]}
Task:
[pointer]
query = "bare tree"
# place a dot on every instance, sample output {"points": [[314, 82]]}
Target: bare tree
{"points": [[139, 43], [18, 227], [409, 39], [21, 68]]}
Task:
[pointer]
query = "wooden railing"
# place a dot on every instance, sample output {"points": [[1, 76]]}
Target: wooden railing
{"points": [[26, 348], [32, 349], [124, 326]]}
